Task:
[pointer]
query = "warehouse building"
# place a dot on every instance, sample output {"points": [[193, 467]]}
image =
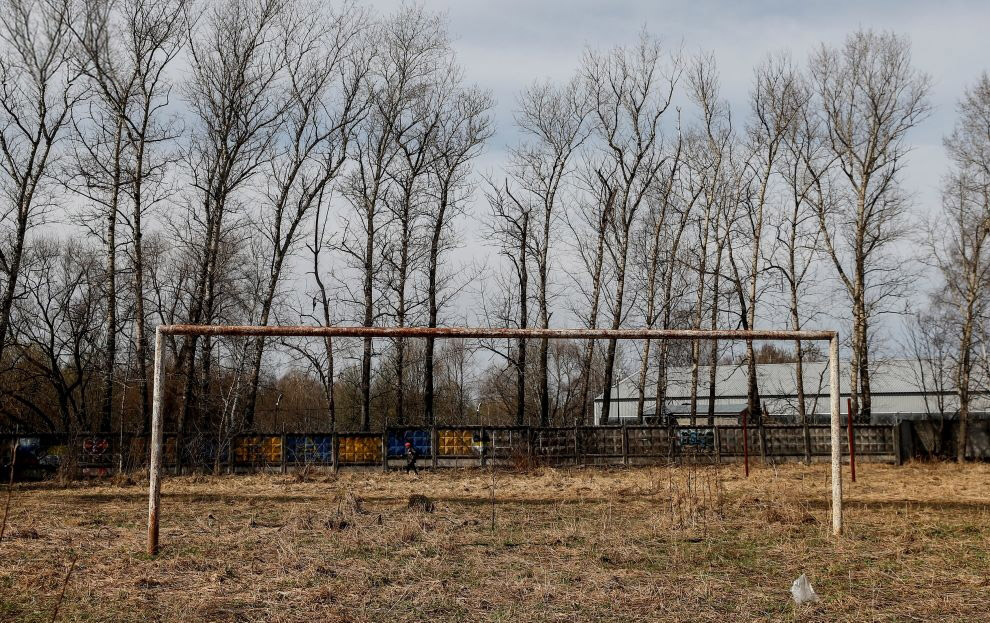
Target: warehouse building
{"points": [[901, 390]]}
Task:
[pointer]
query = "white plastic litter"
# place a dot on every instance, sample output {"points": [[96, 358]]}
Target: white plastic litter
{"points": [[802, 591]]}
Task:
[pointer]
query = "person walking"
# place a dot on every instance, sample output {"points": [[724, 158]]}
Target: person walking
{"points": [[411, 456]]}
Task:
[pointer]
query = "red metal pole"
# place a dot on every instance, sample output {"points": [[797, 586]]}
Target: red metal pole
{"points": [[745, 442], [852, 439]]}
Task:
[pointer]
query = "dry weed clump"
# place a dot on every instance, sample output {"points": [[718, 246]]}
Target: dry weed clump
{"points": [[688, 543], [692, 498], [421, 503]]}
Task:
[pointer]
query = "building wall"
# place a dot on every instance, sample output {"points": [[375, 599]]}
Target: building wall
{"points": [[884, 407], [898, 392]]}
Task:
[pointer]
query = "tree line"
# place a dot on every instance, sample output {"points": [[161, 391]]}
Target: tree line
{"points": [[292, 162]]}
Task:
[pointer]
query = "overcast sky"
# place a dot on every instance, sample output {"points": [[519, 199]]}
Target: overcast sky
{"points": [[505, 45]]}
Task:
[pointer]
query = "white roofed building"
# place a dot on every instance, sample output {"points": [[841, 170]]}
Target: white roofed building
{"points": [[900, 390]]}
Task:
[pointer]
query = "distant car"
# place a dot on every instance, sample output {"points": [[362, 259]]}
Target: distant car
{"points": [[31, 463]]}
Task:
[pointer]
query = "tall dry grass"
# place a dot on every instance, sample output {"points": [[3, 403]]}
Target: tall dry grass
{"points": [[687, 543]]}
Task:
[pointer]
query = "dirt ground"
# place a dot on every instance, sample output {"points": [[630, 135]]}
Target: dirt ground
{"points": [[583, 544]]}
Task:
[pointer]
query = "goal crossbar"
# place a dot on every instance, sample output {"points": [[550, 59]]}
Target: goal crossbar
{"points": [[494, 332], [157, 423]]}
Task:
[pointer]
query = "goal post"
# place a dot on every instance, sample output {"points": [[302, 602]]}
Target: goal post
{"points": [[157, 419]]}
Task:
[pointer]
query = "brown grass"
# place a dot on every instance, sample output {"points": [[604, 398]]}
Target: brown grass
{"points": [[681, 544]]}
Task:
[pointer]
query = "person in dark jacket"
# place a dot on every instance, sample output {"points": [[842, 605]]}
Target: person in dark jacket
{"points": [[411, 456]]}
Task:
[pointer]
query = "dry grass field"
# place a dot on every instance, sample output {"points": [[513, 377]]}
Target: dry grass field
{"points": [[644, 544]]}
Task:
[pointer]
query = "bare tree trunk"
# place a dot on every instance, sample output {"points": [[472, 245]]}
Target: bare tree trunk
{"points": [[401, 311], [596, 287], [620, 284], [543, 268], [543, 373], [110, 345], [699, 309], [965, 365], [368, 321], [315, 249], [802, 410], [716, 295], [854, 363], [641, 386], [794, 277], [331, 402], [860, 391], [523, 321], [589, 351], [140, 343], [866, 400], [433, 313], [668, 307], [650, 314], [964, 399]]}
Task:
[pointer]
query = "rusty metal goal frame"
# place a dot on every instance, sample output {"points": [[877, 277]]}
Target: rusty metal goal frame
{"points": [[157, 421]]}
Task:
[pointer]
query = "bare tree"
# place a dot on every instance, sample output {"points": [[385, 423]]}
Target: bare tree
{"points": [[629, 90], [122, 50], [686, 195], [706, 157], [661, 240], [464, 126], [594, 214], [411, 48], [455, 378], [56, 327], [932, 346], [869, 97], [237, 96], [775, 103], [405, 248], [38, 90], [322, 311], [444, 128], [727, 203], [332, 152], [157, 39], [511, 228], [326, 75], [97, 173], [961, 241], [797, 235], [551, 119]]}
